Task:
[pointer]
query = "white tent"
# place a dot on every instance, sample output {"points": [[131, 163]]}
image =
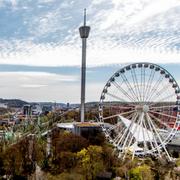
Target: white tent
{"points": [[139, 133]]}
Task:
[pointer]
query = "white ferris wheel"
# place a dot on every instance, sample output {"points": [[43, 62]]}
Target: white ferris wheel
{"points": [[139, 110]]}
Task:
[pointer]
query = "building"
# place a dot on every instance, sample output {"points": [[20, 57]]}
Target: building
{"points": [[3, 105], [85, 129], [27, 109]]}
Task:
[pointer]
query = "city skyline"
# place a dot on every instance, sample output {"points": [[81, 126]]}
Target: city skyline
{"points": [[40, 53]]}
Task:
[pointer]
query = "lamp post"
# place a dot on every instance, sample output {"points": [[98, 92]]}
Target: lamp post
{"points": [[84, 33]]}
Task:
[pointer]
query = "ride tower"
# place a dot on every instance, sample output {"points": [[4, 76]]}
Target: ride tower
{"points": [[84, 33]]}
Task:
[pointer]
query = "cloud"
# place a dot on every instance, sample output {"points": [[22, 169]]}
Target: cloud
{"points": [[96, 55], [33, 85], [38, 86], [34, 79], [153, 8], [46, 1], [121, 31]]}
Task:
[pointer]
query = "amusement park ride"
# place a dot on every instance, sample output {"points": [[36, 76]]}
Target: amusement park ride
{"points": [[29, 125], [141, 100]]}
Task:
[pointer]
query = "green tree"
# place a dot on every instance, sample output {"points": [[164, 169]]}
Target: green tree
{"points": [[91, 161], [141, 173]]}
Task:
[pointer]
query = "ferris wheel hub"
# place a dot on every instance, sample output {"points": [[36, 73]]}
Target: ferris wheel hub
{"points": [[142, 108]]}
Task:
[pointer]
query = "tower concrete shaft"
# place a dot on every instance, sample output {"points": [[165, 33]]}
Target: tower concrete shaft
{"points": [[84, 33]]}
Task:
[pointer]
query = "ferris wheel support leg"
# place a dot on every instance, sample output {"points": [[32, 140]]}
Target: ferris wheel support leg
{"points": [[169, 158], [127, 137], [125, 133], [149, 136], [132, 137], [154, 138], [144, 139]]}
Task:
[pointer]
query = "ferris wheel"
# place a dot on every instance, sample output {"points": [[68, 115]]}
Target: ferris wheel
{"points": [[139, 110]]}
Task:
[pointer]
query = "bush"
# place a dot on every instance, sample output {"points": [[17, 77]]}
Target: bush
{"points": [[141, 173], [66, 176]]}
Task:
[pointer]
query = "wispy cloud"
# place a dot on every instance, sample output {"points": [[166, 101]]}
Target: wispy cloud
{"points": [[37, 86], [33, 85], [46, 32], [36, 76]]}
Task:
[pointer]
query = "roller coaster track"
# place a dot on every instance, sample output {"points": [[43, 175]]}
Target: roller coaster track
{"points": [[37, 130]]}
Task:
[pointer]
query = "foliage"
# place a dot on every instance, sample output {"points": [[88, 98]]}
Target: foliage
{"points": [[66, 176], [18, 160], [63, 161], [64, 148], [1, 165], [178, 162], [68, 142], [75, 157], [91, 161], [141, 173], [41, 153]]}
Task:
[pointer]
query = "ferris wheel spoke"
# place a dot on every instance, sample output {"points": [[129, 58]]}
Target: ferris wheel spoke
{"points": [[158, 136], [162, 100], [125, 133], [161, 91], [123, 91], [129, 86], [137, 84], [150, 80], [119, 135], [144, 83], [162, 114], [147, 132], [159, 95], [136, 123], [151, 86], [163, 107], [138, 126], [132, 134], [141, 86], [141, 130], [129, 131], [120, 114], [158, 120], [154, 88], [153, 135], [130, 116], [117, 98], [144, 135], [136, 87]]}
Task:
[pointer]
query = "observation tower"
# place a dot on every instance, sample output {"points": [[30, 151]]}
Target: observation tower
{"points": [[84, 33]]}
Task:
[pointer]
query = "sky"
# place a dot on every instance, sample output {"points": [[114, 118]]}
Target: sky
{"points": [[40, 47]]}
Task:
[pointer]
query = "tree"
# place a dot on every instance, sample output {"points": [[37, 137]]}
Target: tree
{"points": [[64, 161], [91, 161], [68, 142], [65, 176], [64, 148], [140, 173], [19, 158]]}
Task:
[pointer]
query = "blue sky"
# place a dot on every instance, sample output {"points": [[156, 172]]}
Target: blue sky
{"points": [[40, 48]]}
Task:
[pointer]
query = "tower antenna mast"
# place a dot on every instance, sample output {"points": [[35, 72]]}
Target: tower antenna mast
{"points": [[84, 33]]}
